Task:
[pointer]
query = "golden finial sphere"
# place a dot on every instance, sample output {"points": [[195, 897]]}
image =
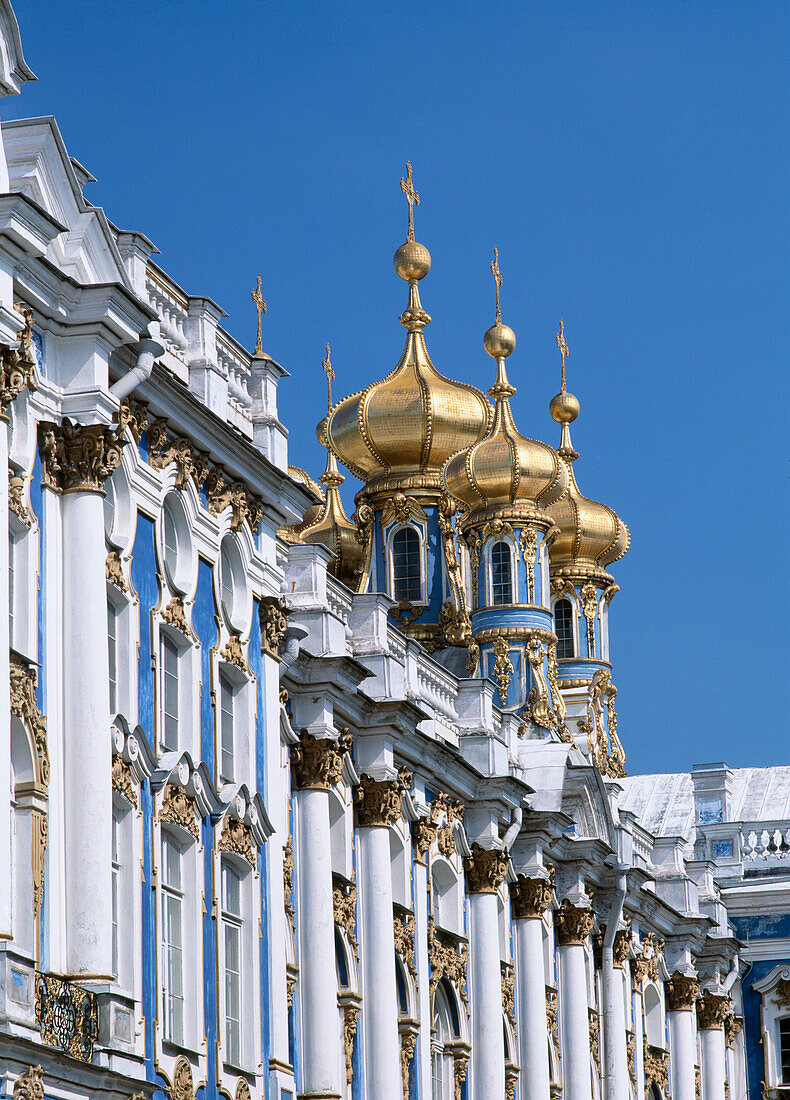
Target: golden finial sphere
{"points": [[412, 261], [564, 408], [500, 341], [320, 431]]}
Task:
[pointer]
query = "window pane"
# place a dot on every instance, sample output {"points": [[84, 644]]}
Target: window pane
{"points": [[226, 581], [231, 890], [233, 992], [116, 888], [501, 574], [171, 542], [563, 628], [407, 566], [11, 583], [171, 860], [784, 1049], [170, 694], [226, 727], [172, 941]]}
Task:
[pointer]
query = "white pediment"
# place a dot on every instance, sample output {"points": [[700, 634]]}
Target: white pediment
{"points": [[40, 168]]}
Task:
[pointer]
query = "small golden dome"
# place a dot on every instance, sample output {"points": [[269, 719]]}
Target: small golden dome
{"points": [[564, 407], [500, 341], [412, 261]]}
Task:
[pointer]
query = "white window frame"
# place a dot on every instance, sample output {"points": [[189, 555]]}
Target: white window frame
{"points": [[490, 572], [574, 623], [226, 716], [245, 922], [421, 532], [232, 923], [22, 586], [172, 896]]}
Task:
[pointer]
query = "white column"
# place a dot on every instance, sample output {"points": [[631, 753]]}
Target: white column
{"points": [[86, 726], [712, 1010], [423, 835], [317, 976], [378, 803], [682, 993], [615, 1052], [530, 897], [5, 692], [573, 924]]}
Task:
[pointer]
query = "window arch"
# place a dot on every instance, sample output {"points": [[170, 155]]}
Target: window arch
{"points": [[501, 573], [407, 565], [176, 547], [442, 1059], [654, 1025], [563, 628]]}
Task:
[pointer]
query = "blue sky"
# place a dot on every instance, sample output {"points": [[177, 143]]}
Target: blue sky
{"points": [[630, 161]]}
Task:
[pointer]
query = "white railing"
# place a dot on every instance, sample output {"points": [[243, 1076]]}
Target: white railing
{"points": [[338, 600], [765, 842], [171, 307], [234, 363], [430, 683]]}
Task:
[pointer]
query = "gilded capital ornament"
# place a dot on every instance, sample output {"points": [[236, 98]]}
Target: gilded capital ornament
{"points": [[682, 992], [237, 837], [712, 1011], [621, 948], [378, 802], [733, 1025], [531, 897], [78, 458], [274, 620], [317, 763], [423, 835], [30, 1084], [485, 870], [573, 924], [134, 416]]}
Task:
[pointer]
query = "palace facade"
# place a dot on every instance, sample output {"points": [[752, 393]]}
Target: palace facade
{"points": [[297, 804]]}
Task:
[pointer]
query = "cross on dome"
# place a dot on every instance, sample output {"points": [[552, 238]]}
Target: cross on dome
{"points": [[330, 375], [564, 350], [412, 198], [497, 282], [260, 305]]}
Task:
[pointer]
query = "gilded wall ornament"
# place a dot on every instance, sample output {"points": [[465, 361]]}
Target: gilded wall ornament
{"points": [[233, 653], [656, 1063], [712, 1011], [378, 802], [408, 1041], [681, 992], [364, 517], [344, 910], [499, 529], [474, 544], [24, 706], [30, 1084], [485, 870], [460, 1066], [452, 811], [237, 837], [503, 667], [511, 1080], [400, 509], [234, 495], [552, 1009], [183, 1086], [317, 762], [782, 993], [508, 992], [557, 701], [274, 620], [630, 1049], [405, 612], [573, 923], [291, 978], [531, 897], [423, 834], [455, 626], [179, 809], [589, 598], [17, 498], [472, 658], [448, 958], [350, 1019], [647, 963], [123, 780], [288, 881], [621, 947], [595, 1036], [162, 451], [175, 615], [528, 541], [403, 927], [39, 827], [242, 1090], [17, 367], [67, 1016], [733, 1026], [114, 571], [538, 709], [134, 416], [78, 458], [698, 1082]]}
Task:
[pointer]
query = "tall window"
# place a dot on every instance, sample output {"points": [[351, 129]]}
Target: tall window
{"points": [[116, 889], [112, 652], [784, 1050], [563, 627], [442, 1062], [501, 574], [170, 694], [226, 732], [232, 931], [170, 541], [11, 583], [407, 565], [172, 940]]}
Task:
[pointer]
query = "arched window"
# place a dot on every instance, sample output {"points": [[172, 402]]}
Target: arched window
{"points": [[654, 1027], [501, 574], [441, 1058], [563, 628], [406, 566]]}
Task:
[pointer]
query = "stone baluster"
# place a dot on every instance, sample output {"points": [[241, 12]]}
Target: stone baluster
{"points": [[681, 993], [573, 925], [530, 898], [77, 459], [484, 873], [378, 805], [316, 766], [712, 1011]]}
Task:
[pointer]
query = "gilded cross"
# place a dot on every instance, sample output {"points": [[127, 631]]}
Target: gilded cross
{"points": [[330, 374], [260, 305], [412, 198], [564, 350], [497, 283]]}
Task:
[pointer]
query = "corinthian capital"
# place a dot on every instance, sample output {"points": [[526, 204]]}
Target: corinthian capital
{"points": [[485, 870], [682, 992], [531, 897], [712, 1011], [316, 763], [573, 924], [78, 458], [17, 365]]}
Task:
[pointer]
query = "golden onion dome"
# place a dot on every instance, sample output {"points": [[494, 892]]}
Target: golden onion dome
{"points": [[505, 469], [592, 535], [398, 432]]}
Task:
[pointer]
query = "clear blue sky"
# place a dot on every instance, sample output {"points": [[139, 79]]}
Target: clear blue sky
{"points": [[630, 160]]}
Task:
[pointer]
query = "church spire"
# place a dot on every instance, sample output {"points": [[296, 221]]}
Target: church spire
{"points": [[564, 407]]}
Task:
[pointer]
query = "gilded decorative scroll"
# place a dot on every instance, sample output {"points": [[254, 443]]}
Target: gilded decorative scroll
{"points": [[233, 653], [123, 780], [508, 992], [528, 541], [344, 909], [67, 1016], [350, 1019], [403, 927], [114, 571], [595, 1037], [557, 701], [573, 923], [175, 615], [288, 880], [183, 1085], [503, 670], [24, 706], [134, 416], [485, 869], [30, 1084], [274, 620], [408, 1041], [656, 1063], [448, 958], [17, 366], [179, 809], [589, 598], [538, 709], [237, 837]]}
